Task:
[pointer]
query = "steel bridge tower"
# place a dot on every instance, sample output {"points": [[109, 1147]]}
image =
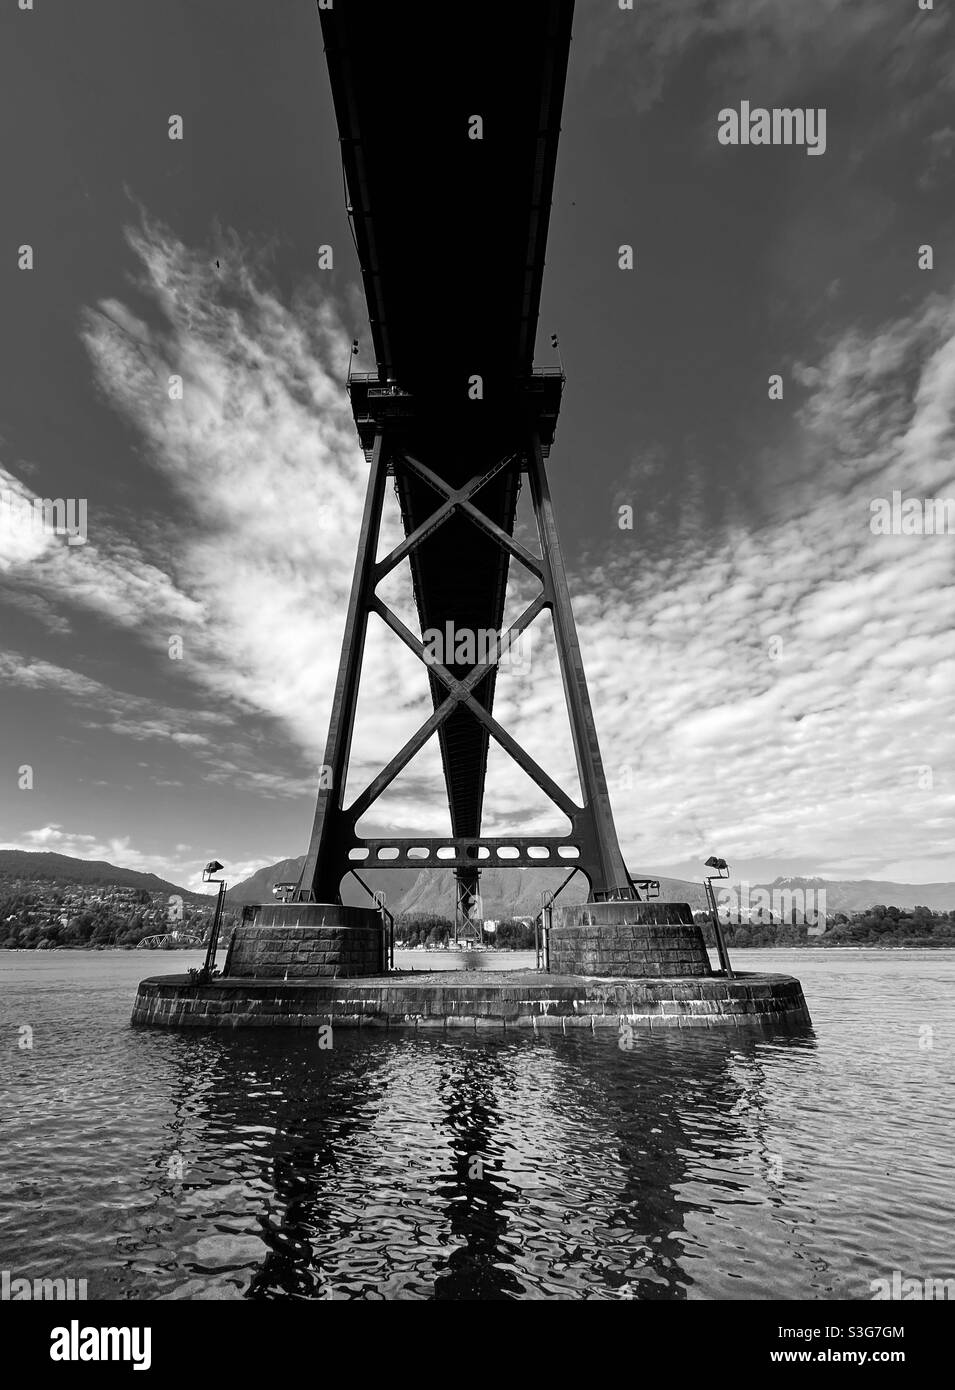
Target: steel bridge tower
{"points": [[449, 165]]}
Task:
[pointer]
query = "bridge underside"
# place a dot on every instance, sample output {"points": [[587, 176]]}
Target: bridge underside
{"points": [[450, 230]]}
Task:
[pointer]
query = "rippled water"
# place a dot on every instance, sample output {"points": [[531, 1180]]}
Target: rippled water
{"points": [[469, 1166]]}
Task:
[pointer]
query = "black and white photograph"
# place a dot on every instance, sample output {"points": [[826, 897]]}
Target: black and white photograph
{"points": [[477, 678]]}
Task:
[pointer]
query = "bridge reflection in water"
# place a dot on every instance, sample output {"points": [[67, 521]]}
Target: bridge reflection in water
{"points": [[471, 1168]]}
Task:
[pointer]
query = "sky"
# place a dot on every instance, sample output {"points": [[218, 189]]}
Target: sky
{"points": [[773, 680]]}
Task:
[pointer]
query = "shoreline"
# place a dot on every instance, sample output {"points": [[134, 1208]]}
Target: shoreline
{"points": [[773, 946]]}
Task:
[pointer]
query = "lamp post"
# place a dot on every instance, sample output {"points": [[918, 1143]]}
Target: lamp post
{"points": [[208, 876], [722, 871]]}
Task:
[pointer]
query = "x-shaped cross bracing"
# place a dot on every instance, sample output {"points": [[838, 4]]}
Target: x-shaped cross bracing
{"points": [[460, 692]]}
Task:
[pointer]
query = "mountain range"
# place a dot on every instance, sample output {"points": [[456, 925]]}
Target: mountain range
{"points": [[63, 869], [504, 892], [516, 892]]}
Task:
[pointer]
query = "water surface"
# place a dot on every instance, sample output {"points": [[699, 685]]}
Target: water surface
{"points": [[462, 1166]]}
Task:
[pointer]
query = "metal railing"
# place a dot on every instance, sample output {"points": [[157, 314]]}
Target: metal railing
{"points": [[387, 927]]}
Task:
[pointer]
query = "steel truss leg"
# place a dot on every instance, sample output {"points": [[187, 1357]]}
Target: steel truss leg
{"points": [[326, 861], [333, 831], [607, 872]]}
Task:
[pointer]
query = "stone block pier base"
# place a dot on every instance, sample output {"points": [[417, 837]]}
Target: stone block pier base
{"points": [[641, 939], [292, 941], [498, 999]]}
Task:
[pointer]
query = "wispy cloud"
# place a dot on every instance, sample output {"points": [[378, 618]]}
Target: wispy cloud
{"points": [[843, 747], [782, 47], [262, 454]]}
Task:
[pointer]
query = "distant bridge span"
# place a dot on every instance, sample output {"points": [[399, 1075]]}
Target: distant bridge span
{"points": [[182, 941]]}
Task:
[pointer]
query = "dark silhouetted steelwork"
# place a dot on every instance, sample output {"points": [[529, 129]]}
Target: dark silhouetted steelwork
{"points": [[450, 234]]}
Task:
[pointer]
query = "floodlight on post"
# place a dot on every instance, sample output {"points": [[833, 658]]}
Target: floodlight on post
{"points": [[721, 870], [209, 876], [351, 359]]}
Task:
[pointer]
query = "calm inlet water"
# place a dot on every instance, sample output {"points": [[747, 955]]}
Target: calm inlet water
{"points": [[736, 1165]]}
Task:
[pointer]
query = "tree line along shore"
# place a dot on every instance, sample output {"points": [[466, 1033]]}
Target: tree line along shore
{"points": [[55, 918]]}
